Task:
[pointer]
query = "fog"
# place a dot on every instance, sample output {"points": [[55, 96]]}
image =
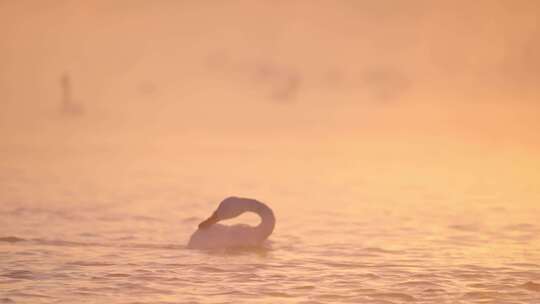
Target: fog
{"points": [[396, 142], [244, 73]]}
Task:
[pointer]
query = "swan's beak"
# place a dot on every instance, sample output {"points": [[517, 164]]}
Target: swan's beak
{"points": [[209, 222]]}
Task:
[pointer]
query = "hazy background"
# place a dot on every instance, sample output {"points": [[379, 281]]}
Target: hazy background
{"points": [[322, 70], [338, 90], [396, 141]]}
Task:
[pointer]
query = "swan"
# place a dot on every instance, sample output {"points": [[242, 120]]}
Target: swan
{"points": [[211, 235], [69, 106]]}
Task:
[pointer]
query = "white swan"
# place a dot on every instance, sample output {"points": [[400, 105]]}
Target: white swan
{"points": [[211, 235]]}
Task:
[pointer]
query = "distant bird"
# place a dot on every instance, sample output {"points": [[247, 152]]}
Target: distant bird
{"points": [[211, 235], [285, 83], [69, 106]]}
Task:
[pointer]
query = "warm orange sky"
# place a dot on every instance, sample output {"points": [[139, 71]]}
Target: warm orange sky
{"points": [[460, 70]]}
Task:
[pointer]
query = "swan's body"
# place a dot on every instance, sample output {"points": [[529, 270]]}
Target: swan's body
{"points": [[211, 235]]}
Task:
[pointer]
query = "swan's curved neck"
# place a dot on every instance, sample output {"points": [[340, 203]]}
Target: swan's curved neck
{"points": [[268, 221]]}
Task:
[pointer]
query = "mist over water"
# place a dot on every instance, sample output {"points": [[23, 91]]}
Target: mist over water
{"points": [[396, 141]]}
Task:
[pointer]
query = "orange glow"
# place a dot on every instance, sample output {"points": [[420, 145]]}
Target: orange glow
{"points": [[396, 141]]}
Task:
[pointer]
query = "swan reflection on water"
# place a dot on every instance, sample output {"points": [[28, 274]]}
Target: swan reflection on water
{"points": [[211, 235]]}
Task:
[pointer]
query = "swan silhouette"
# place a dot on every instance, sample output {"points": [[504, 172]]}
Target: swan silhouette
{"points": [[211, 235], [69, 106]]}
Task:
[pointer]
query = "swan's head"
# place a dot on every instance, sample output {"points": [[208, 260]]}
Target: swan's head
{"points": [[230, 207]]}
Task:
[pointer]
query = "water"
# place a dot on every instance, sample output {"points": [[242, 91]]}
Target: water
{"points": [[396, 141], [109, 225]]}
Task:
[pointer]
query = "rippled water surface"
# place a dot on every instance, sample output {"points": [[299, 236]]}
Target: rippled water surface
{"points": [[102, 227]]}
